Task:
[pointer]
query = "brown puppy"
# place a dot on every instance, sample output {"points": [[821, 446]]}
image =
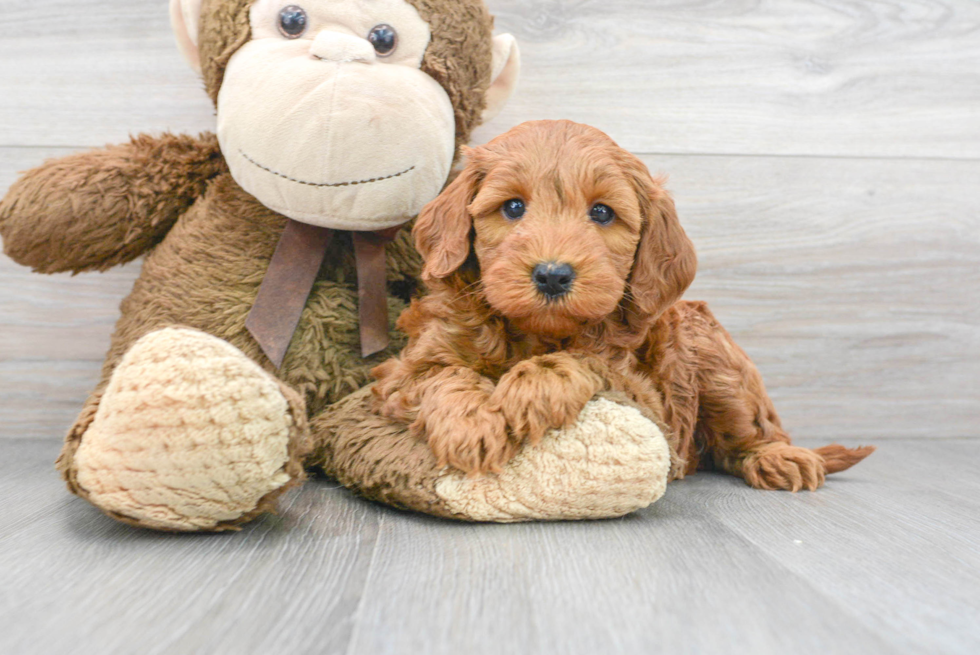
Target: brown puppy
{"points": [[555, 263]]}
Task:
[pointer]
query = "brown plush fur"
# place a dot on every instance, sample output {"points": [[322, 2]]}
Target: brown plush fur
{"points": [[384, 461], [377, 456], [491, 363], [208, 243], [95, 210], [205, 274]]}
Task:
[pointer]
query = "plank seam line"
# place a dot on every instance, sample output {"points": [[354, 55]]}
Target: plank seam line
{"points": [[356, 616], [662, 153], [756, 155], [832, 600]]}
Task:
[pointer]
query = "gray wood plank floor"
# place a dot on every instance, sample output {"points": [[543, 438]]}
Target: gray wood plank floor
{"points": [[885, 559]]}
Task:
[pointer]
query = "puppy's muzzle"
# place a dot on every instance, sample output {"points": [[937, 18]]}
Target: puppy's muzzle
{"points": [[553, 279]]}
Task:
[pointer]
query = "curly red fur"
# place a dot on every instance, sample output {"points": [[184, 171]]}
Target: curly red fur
{"points": [[492, 361]]}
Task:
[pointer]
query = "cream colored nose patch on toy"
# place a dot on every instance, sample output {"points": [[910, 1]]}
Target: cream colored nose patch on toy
{"points": [[325, 130], [364, 147], [326, 116]]}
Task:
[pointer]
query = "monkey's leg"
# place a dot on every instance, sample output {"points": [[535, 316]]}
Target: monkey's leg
{"points": [[189, 434], [612, 461]]}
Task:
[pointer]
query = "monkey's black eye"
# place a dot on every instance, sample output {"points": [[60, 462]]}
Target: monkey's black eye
{"points": [[514, 209], [292, 21], [602, 214], [384, 38]]}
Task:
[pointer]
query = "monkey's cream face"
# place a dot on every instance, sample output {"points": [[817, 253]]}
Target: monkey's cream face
{"points": [[326, 117]]}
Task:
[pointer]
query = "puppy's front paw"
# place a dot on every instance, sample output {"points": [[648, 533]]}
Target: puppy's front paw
{"points": [[545, 392], [471, 437], [782, 466]]}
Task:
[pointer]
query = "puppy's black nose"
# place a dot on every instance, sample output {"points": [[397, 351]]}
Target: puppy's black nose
{"points": [[553, 279]]}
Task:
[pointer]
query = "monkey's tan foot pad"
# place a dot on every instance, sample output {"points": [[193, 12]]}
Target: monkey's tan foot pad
{"points": [[190, 435], [613, 461]]}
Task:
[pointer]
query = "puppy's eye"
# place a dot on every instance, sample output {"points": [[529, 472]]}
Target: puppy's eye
{"points": [[384, 38], [514, 209], [293, 21], [602, 214]]}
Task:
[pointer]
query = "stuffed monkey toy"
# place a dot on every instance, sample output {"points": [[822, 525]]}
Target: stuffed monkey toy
{"points": [[275, 267]]}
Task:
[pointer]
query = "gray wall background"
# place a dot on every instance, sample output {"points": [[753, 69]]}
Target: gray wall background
{"points": [[824, 154]]}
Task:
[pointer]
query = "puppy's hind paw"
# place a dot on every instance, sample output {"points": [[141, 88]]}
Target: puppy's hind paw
{"points": [[777, 466]]}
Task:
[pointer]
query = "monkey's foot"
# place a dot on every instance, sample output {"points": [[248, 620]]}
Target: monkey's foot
{"points": [[613, 461], [190, 434]]}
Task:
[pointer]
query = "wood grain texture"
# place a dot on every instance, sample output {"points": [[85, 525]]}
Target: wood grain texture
{"points": [[884, 559], [89, 73], [846, 77], [837, 230], [855, 287], [670, 580], [900, 521], [890, 78], [74, 581], [825, 162]]}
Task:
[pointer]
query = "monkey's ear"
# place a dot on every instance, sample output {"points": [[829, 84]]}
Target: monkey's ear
{"points": [[185, 17], [505, 71]]}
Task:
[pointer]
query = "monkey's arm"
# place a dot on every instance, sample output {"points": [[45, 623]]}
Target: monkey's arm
{"points": [[94, 210]]}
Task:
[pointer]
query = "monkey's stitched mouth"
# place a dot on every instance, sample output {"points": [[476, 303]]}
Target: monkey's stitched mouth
{"points": [[324, 184]]}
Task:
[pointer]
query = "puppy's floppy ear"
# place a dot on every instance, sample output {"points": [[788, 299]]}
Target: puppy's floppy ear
{"points": [[665, 262], [442, 230]]}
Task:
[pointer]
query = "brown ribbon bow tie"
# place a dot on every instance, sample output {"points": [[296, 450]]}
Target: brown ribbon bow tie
{"points": [[289, 280]]}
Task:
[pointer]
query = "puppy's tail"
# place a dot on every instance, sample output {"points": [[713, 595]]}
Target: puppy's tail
{"points": [[837, 458]]}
